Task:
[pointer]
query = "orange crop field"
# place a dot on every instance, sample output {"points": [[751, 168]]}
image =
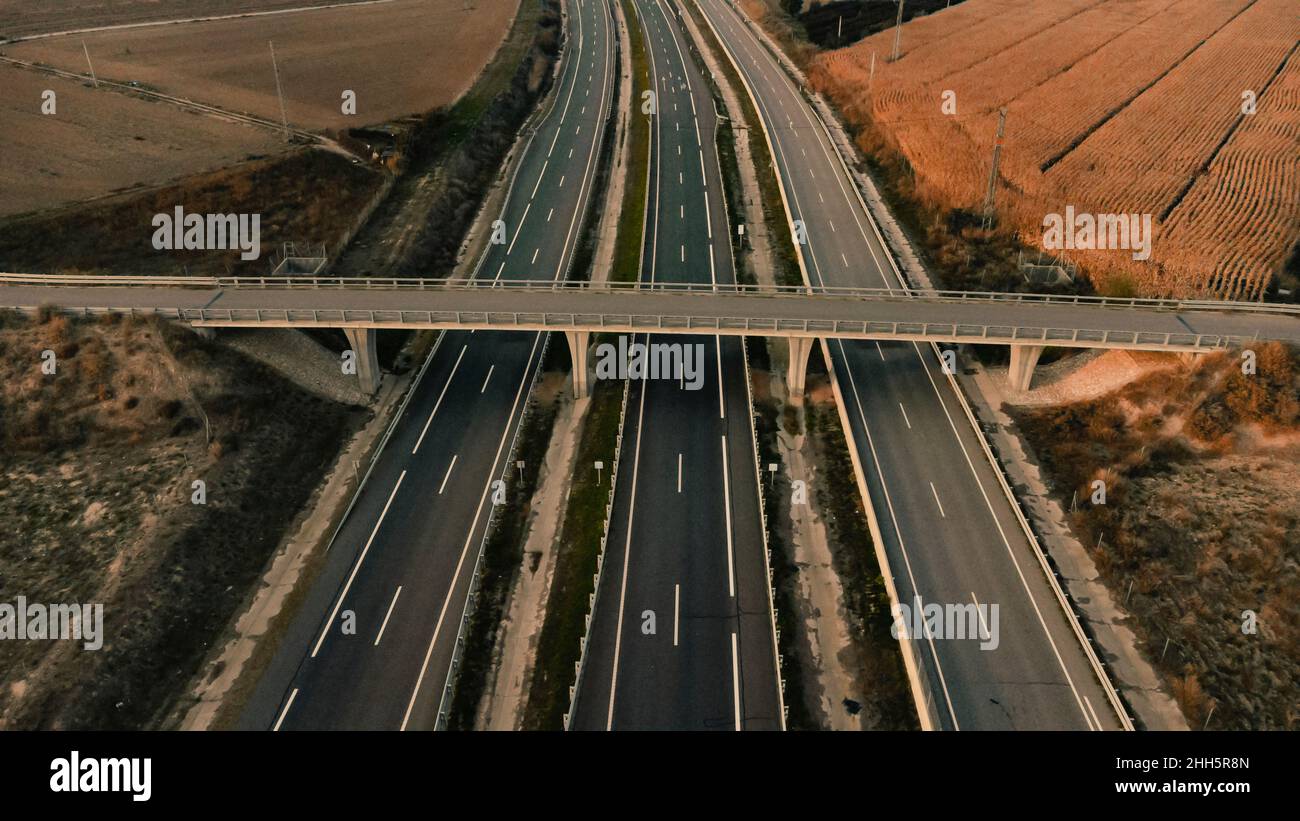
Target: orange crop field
{"points": [[401, 57], [1186, 112]]}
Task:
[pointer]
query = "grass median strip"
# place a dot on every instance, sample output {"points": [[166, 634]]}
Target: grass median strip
{"points": [[558, 646], [503, 559], [631, 229], [866, 604]]}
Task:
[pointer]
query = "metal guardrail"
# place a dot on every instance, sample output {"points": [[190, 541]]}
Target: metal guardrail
{"points": [[767, 546], [581, 664], [548, 286]]}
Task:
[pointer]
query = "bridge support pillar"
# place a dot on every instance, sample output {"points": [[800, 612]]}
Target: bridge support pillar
{"points": [[1024, 358], [366, 352], [1189, 357], [204, 332], [578, 343], [796, 377]]}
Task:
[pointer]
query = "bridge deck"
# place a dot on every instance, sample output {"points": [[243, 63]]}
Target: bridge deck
{"points": [[863, 314]]}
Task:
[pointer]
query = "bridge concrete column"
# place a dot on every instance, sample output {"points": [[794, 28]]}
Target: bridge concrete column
{"points": [[366, 352], [204, 332], [1024, 358], [578, 344], [796, 377], [1189, 357]]}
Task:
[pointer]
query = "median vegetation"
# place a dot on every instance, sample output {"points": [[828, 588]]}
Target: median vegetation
{"points": [[636, 182], [865, 599], [577, 554], [308, 193], [503, 560]]}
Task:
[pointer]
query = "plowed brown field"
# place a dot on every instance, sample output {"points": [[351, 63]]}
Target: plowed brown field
{"points": [[24, 18], [403, 57], [97, 142]]}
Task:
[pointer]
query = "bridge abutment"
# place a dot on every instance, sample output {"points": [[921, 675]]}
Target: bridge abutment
{"points": [[366, 352], [796, 378], [204, 332], [579, 341], [1024, 358]]}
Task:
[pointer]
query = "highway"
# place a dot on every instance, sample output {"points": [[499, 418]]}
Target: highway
{"points": [[372, 643], [950, 534], [686, 541]]}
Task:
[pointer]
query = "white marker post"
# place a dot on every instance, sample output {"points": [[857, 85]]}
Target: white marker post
{"points": [[284, 118], [93, 78]]}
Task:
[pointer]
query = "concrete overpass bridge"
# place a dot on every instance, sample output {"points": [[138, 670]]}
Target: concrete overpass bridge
{"points": [[1026, 322]]}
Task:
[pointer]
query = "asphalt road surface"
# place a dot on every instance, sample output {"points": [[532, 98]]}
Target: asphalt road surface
{"points": [[399, 570], [685, 551], [950, 533]]}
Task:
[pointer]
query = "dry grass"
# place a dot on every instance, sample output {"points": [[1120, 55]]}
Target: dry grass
{"points": [[309, 195], [98, 143], [400, 58], [1201, 523], [96, 466], [1113, 107]]}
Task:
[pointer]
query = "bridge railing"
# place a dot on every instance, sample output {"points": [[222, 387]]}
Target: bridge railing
{"points": [[429, 284], [748, 326]]}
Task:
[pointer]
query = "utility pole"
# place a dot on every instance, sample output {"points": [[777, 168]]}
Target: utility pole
{"points": [[284, 118], [839, 29], [898, 30], [993, 171], [93, 78], [871, 78]]}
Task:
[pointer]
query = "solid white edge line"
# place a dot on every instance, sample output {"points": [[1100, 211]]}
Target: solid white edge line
{"points": [[677, 610], [339, 603], [735, 678], [726, 506], [285, 711], [722, 403]]}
